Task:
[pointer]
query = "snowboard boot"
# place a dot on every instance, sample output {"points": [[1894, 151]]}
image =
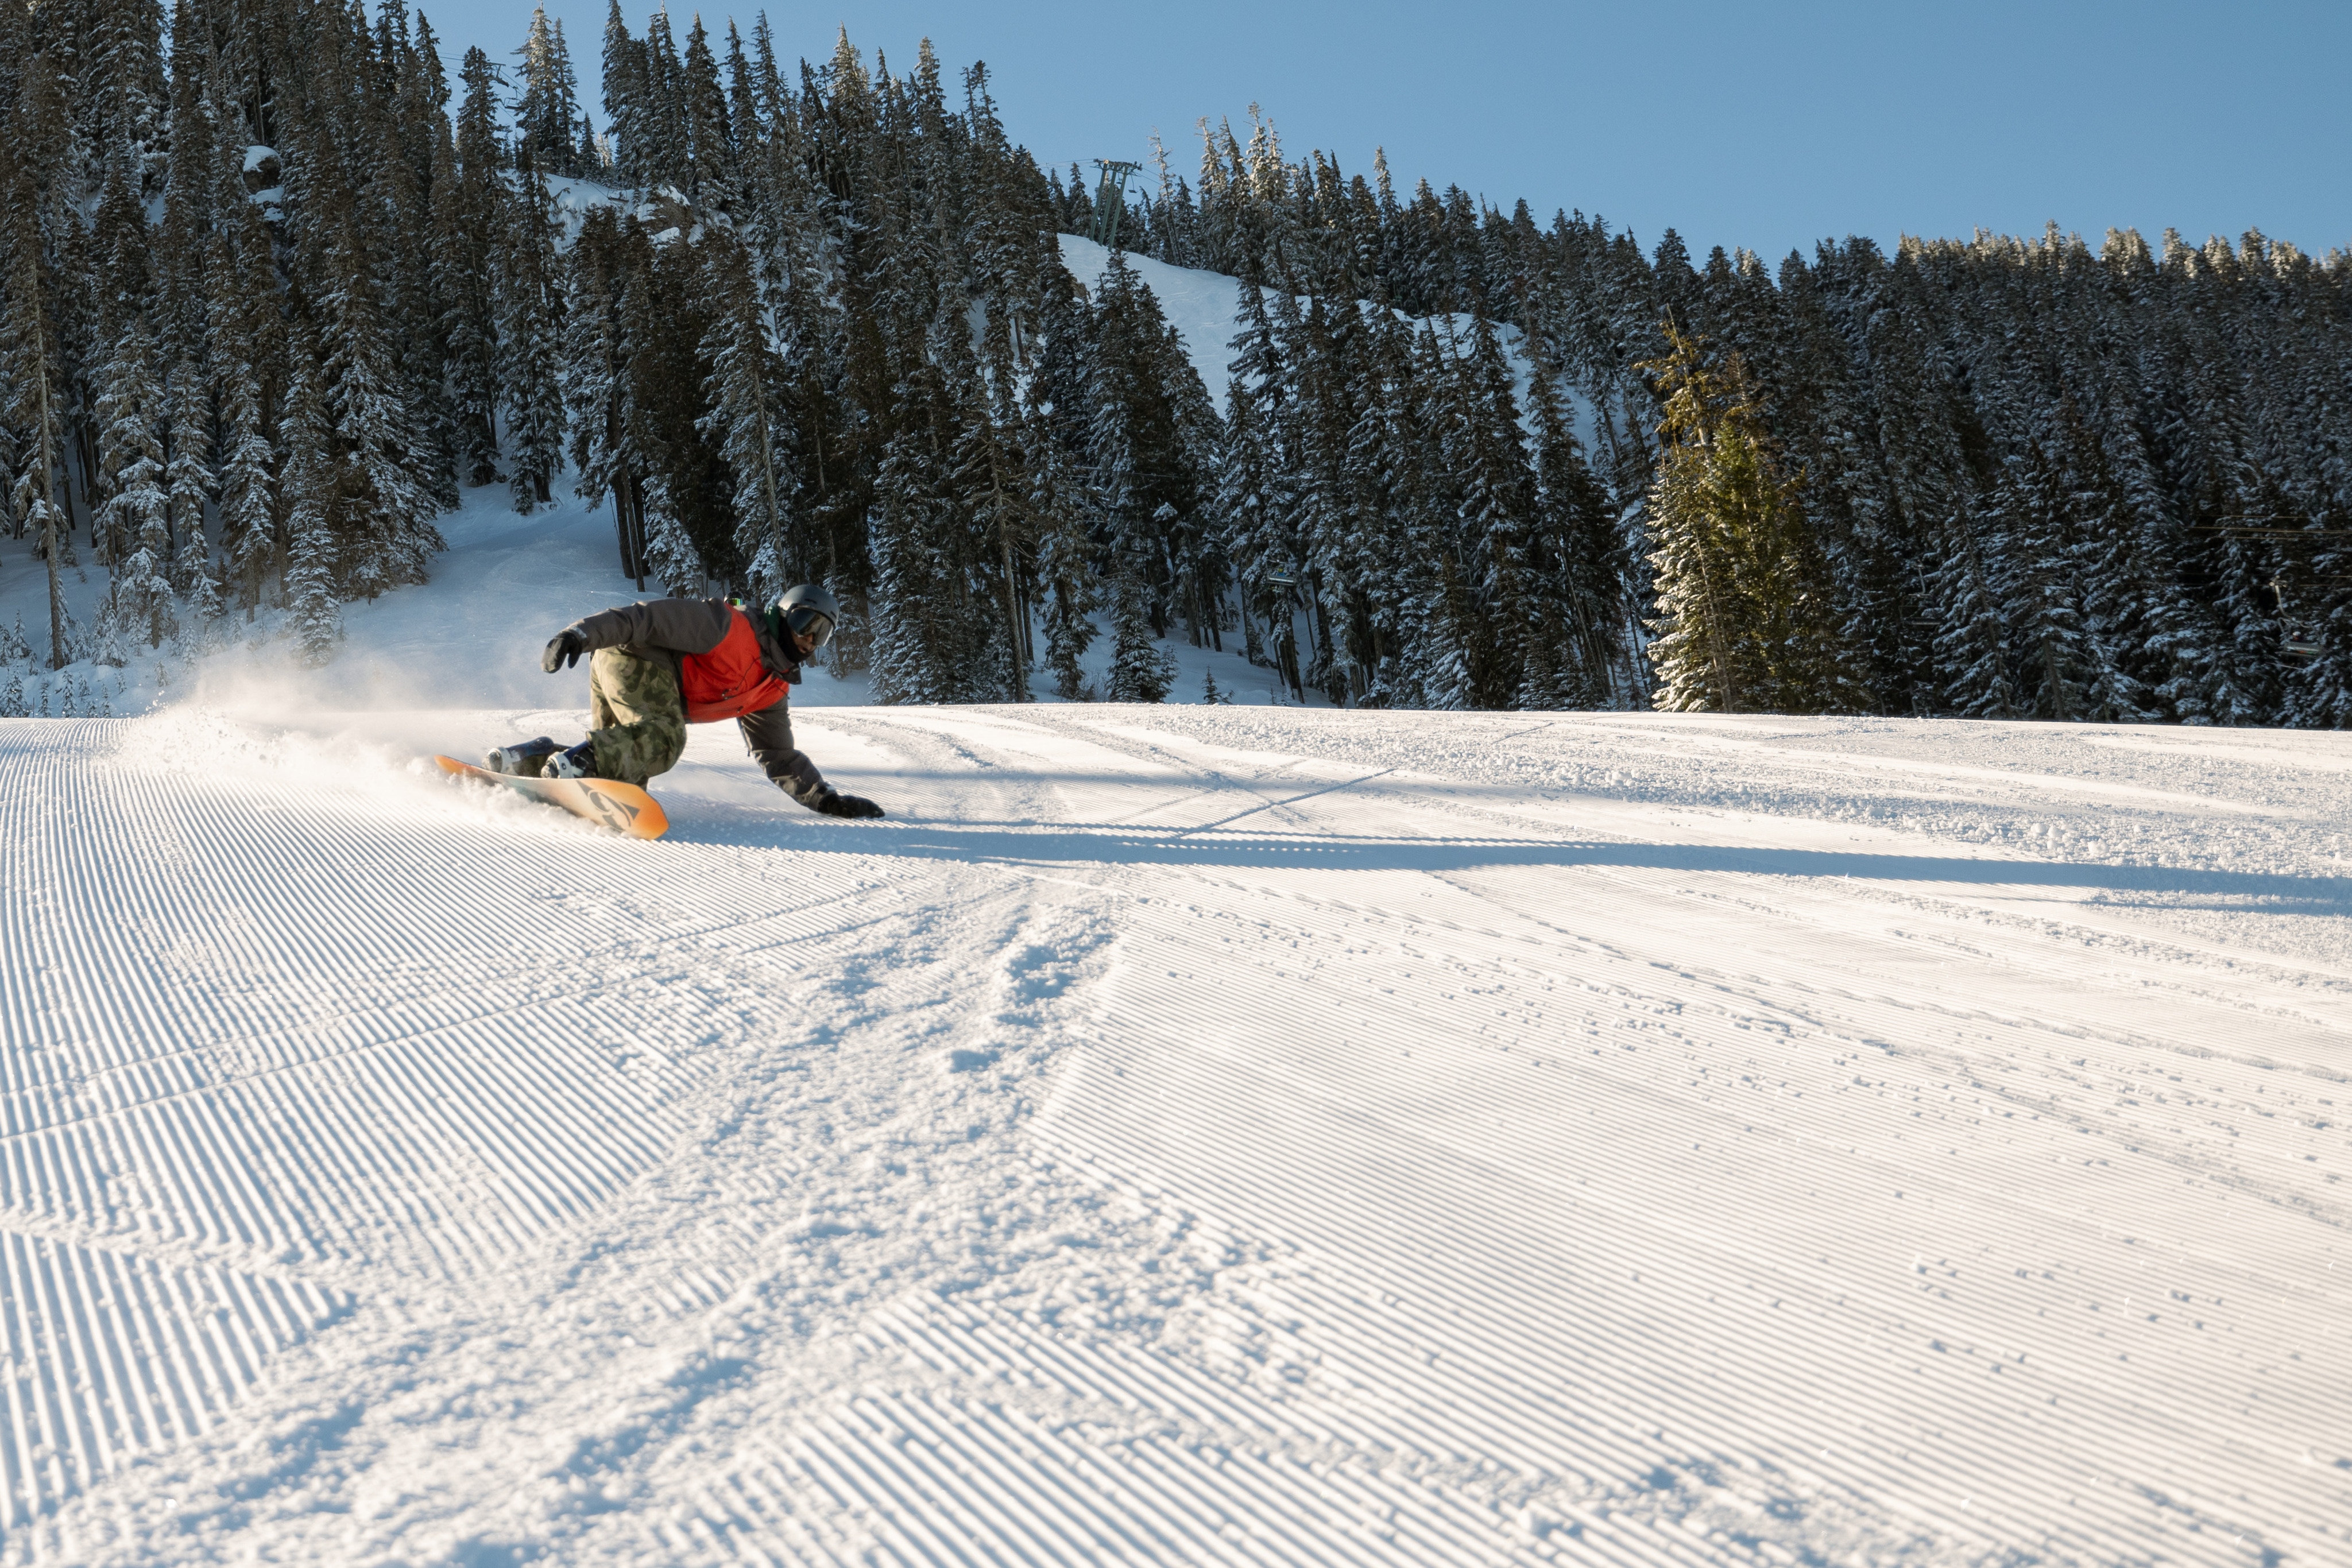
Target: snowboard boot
{"points": [[523, 757], [580, 762]]}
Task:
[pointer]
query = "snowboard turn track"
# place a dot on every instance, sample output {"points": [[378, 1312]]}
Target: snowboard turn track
{"points": [[1181, 1135]]}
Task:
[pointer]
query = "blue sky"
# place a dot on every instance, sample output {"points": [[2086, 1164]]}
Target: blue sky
{"points": [[1737, 124]]}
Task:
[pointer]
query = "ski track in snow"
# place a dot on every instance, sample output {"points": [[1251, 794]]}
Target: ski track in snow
{"points": [[1180, 1134]]}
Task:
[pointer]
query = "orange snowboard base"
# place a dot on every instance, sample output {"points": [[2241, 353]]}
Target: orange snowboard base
{"points": [[623, 808]]}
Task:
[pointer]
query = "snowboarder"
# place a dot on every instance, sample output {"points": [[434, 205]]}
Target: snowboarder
{"points": [[661, 665]]}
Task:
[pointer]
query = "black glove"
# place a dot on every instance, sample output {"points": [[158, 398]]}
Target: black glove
{"points": [[563, 652], [834, 804]]}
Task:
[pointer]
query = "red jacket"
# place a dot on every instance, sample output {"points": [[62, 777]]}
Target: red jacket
{"points": [[731, 679]]}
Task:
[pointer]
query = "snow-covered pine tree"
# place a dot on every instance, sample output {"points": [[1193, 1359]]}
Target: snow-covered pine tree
{"points": [[1384, 494], [54, 194], [1441, 675], [1061, 509], [2319, 688], [595, 400], [2112, 574], [143, 594], [188, 175], [2247, 566], [709, 168], [247, 340], [312, 567], [2040, 593], [750, 156], [1496, 515], [625, 96], [1821, 411], [29, 338], [11, 434], [16, 46], [1747, 619], [1430, 606], [921, 636], [1062, 345], [664, 320], [126, 389], [670, 557], [1971, 638], [1242, 507], [1063, 504], [1142, 670], [123, 255], [187, 475], [388, 527], [1151, 435], [1320, 352], [665, 157], [207, 600], [1580, 563], [135, 523], [988, 469], [531, 340], [120, 108], [400, 189], [950, 645], [1929, 483], [751, 423], [547, 112], [469, 201]]}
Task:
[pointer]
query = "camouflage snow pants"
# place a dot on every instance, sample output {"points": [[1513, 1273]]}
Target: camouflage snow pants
{"points": [[638, 714]]}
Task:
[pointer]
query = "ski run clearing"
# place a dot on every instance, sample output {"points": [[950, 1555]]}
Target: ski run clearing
{"points": [[1180, 1134], [1176, 1134]]}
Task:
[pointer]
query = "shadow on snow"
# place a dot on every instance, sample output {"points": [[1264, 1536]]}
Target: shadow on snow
{"points": [[1117, 845]]}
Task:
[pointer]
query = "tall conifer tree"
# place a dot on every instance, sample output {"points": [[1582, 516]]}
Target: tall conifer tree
{"points": [[1747, 623]]}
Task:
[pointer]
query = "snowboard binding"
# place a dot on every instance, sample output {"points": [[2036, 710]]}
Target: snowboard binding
{"points": [[523, 759]]}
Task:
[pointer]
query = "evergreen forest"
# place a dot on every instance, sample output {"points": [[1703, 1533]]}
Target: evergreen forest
{"points": [[275, 286]]}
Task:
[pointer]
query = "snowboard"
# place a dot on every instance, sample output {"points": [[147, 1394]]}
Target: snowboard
{"points": [[623, 808]]}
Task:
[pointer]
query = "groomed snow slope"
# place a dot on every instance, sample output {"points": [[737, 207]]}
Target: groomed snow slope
{"points": [[1180, 1134]]}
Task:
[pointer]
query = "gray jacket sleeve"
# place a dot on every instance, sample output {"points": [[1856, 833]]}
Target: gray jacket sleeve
{"points": [[675, 625], [769, 734]]}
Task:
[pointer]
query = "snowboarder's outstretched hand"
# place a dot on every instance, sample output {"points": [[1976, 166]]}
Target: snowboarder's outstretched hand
{"points": [[835, 804], [563, 652]]}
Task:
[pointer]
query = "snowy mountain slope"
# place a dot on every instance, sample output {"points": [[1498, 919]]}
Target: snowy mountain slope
{"points": [[1179, 1135], [1200, 306]]}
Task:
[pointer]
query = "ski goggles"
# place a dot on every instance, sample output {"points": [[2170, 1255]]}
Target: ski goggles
{"points": [[807, 621]]}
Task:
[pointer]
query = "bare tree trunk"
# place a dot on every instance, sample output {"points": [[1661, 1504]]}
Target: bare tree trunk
{"points": [[628, 526], [768, 476], [49, 543], [85, 446], [1012, 616]]}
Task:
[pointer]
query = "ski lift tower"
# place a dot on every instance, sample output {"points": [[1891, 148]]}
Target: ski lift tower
{"points": [[2298, 580], [1110, 200]]}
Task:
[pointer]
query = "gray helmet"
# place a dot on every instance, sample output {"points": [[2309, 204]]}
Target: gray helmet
{"points": [[810, 612]]}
